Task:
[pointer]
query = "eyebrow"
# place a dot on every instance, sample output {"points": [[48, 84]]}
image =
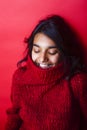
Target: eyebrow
{"points": [[50, 47]]}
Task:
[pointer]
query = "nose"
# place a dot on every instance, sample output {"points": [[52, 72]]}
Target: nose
{"points": [[43, 58]]}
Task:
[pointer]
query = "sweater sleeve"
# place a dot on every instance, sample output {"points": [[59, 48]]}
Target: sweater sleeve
{"points": [[79, 85], [13, 119]]}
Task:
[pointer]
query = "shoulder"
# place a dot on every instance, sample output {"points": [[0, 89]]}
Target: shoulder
{"points": [[79, 84], [79, 78], [18, 73]]}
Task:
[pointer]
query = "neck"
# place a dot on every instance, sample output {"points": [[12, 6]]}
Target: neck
{"points": [[45, 76]]}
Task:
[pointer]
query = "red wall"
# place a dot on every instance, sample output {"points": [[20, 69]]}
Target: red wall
{"points": [[17, 19]]}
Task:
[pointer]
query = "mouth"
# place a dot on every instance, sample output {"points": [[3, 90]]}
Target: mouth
{"points": [[44, 66]]}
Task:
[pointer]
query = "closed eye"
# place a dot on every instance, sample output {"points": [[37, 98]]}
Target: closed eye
{"points": [[53, 53], [36, 51]]}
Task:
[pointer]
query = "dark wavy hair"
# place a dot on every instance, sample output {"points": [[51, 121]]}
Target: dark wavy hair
{"points": [[56, 28]]}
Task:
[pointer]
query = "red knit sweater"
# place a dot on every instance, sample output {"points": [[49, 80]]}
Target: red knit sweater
{"points": [[42, 99]]}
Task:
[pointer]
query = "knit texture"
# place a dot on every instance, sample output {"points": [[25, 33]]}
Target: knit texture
{"points": [[42, 99]]}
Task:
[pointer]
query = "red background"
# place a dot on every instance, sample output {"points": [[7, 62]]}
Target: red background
{"points": [[17, 19]]}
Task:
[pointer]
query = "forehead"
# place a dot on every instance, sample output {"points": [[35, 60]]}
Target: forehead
{"points": [[43, 40]]}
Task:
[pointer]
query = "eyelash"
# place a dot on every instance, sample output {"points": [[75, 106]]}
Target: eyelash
{"points": [[52, 53], [48, 52], [36, 51]]}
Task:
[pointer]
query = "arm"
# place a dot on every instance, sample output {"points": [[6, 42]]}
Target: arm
{"points": [[13, 119], [79, 85]]}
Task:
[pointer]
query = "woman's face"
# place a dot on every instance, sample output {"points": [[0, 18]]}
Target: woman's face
{"points": [[45, 54]]}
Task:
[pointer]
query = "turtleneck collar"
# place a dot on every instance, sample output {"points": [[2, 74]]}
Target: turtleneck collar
{"points": [[37, 75]]}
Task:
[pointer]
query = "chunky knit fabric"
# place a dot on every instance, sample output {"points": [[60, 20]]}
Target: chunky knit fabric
{"points": [[42, 99]]}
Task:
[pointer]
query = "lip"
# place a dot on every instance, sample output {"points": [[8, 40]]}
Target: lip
{"points": [[45, 66]]}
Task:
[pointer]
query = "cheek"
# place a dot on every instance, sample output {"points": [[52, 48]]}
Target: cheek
{"points": [[54, 59], [34, 56]]}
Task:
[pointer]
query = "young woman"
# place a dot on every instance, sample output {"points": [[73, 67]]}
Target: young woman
{"points": [[50, 91]]}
